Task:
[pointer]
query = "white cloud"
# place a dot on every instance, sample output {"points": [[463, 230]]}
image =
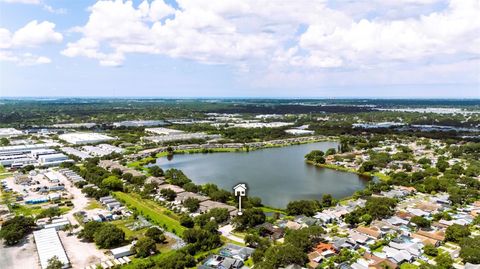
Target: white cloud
{"points": [[54, 10], [32, 35], [304, 40], [371, 43], [38, 2], [24, 59]]}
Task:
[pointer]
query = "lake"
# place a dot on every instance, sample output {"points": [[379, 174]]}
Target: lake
{"points": [[277, 175]]}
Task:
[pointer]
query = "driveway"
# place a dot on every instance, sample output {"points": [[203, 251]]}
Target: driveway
{"points": [[227, 232]]}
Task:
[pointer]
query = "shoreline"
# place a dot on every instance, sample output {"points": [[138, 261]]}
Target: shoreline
{"points": [[244, 149], [379, 175]]}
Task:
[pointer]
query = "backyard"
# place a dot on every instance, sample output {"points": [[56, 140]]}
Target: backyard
{"points": [[152, 211]]}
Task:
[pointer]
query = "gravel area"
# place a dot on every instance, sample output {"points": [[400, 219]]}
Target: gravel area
{"points": [[81, 253], [21, 256], [179, 243]]}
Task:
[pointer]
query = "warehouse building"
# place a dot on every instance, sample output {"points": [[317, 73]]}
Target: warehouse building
{"points": [[22, 149], [75, 152], [139, 123], [122, 251], [84, 138], [163, 131], [48, 246], [9, 132], [53, 159]]}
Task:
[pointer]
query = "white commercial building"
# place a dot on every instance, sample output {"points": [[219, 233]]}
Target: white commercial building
{"points": [[182, 136], [164, 131], [262, 124], [22, 149], [75, 125], [122, 251], [139, 123], [9, 132], [52, 159], [299, 132], [84, 138], [75, 152], [48, 246]]}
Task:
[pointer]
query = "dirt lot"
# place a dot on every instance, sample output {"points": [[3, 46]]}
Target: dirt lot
{"points": [[22, 256], [80, 253]]}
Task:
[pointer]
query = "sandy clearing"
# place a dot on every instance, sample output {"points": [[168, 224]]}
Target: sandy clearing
{"points": [[21, 256], [81, 253]]}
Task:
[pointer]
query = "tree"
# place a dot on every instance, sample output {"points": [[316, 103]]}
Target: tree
{"points": [[112, 183], [220, 196], [155, 234], [327, 200], [430, 250], [302, 207], [367, 166], [444, 261], [191, 187], [109, 236], [442, 165], [255, 201], [470, 251], [178, 260], [54, 263], [250, 218], [192, 204], [315, 155], [305, 238], [155, 171], [421, 222], [186, 221], [89, 229], [255, 241], [117, 172], [219, 215], [331, 151], [4, 141], [127, 176], [13, 230], [367, 218], [50, 212], [168, 194], [282, 256], [456, 232], [144, 247], [202, 239]]}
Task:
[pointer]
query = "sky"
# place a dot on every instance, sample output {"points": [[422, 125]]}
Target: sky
{"points": [[240, 48]]}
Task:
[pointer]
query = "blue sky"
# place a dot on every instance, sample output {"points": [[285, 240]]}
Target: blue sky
{"points": [[241, 48]]}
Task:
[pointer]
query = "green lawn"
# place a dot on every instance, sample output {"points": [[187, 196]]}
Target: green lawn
{"points": [[130, 234], [153, 211], [93, 204], [33, 210], [268, 209], [4, 175]]}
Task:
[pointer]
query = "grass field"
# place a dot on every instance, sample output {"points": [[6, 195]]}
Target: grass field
{"points": [[93, 204], [129, 234], [33, 210], [4, 175], [267, 209], [151, 210]]}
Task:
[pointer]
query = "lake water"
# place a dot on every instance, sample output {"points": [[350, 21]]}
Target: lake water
{"points": [[277, 175]]}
